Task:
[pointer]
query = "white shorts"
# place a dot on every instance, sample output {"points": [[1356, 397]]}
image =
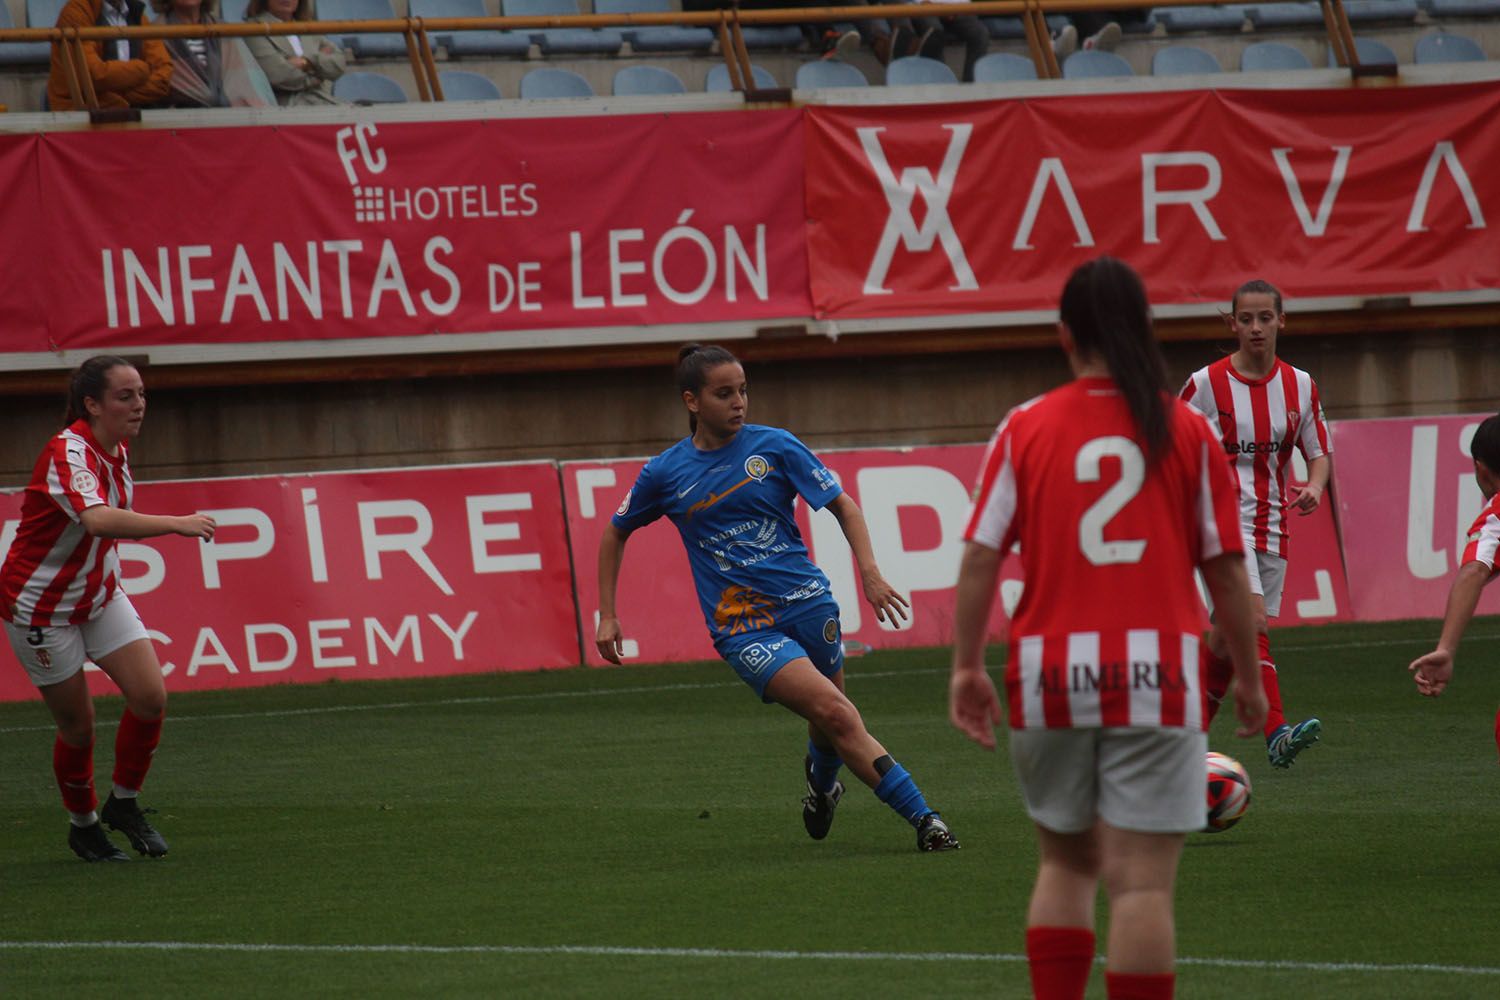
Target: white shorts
{"points": [[1267, 578], [53, 653], [1139, 779]]}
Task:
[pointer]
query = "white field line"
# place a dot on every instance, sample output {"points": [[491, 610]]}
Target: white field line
{"points": [[608, 951], [610, 692]]}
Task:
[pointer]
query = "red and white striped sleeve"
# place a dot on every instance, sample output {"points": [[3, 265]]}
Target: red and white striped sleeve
{"points": [[993, 515], [74, 480], [1312, 436], [1484, 536]]}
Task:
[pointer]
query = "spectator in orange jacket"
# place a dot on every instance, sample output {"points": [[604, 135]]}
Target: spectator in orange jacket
{"points": [[126, 74]]}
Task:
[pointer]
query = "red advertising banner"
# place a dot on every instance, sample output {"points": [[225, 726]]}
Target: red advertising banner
{"points": [[294, 233], [987, 206], [354, 575], [1406, 496]]}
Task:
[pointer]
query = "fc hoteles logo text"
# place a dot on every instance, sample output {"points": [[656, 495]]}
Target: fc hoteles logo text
{"points": [[360, 154]]}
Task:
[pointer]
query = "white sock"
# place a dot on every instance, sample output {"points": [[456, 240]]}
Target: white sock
{"points": [[121, 792], [83, 819]]}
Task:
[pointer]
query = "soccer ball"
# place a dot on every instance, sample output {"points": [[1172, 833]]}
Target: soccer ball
{"points": [[1228, 792]]}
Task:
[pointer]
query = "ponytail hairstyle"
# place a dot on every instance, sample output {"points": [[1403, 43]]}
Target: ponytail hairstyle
{"points": [[88, 382], [1257, 286], [693, 363], [1104, 306], [1485, 447]]}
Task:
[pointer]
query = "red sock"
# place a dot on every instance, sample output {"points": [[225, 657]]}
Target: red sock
{"points": [[1136, 986], [1274, 717], [1218, 672], [1060, 960], [74, 767], [134, 744]]}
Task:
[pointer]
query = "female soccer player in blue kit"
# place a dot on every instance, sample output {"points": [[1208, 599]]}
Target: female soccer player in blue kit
{"points": [[730, 488]]}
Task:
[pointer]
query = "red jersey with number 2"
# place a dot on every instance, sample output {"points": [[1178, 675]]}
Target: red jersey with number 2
{"points": [[1109, 622]]}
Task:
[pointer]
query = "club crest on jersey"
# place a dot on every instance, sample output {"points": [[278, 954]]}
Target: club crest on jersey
{"points": [[831, 630], [756, 467], [84, 481], [624, 507]]}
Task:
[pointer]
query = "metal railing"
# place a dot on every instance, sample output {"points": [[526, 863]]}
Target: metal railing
{"points": [[727, 22]]}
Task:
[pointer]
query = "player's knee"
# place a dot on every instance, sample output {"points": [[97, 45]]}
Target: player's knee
{"points": [[76, 727], [148, 705], [837, 717]]}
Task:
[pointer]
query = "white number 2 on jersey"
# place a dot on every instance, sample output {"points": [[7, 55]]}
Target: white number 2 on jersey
{"points": [[1086, 467]]}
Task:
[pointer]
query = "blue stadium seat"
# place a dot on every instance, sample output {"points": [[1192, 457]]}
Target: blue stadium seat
{"points": [[1442, 47], [462, 85], [998, 67], [383, 46], [822, 73], [657, 38], [232, 11], [1011, 27], [917, 71], [471, 43], [1286, 15], [718, 79], [368, 88], [1365, 11], [647, 80], [1182, 60], [1465, 8], [1094, 63], [1229, 17], [772, 36], [21, 53], [1370, 52], [550, 82], [594, 41], [1267, 56], [43, 13]]}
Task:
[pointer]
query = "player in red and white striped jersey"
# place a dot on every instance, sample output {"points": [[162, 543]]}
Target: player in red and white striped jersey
{"points": [[1115, 493], [61, 602], [1263, 409], [1476, 568]]}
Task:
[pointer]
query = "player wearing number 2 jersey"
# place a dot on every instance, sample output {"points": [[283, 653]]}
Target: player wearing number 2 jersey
{"points": [[1114, 493], [1263, 409]]}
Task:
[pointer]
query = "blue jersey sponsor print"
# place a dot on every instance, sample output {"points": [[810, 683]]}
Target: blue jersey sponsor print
{"points": [[733, 508]]}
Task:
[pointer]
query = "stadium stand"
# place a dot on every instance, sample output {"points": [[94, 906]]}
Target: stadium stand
{"points": [[653, 37], [1370, 52], [1002, 67], [384, 46], [364, 87], [471, 43], [829, 73], [550, 81], [917, 71], [464, 85], [633, 80], [1442, 47], [1230, 17], [1182, 60], [1263, 56], [718, 79], [592, 41]]}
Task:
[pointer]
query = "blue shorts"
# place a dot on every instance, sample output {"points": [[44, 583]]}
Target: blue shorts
{"points": [[756, 656]]}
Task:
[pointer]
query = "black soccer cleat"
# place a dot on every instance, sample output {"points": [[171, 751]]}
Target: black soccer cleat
{"points": [[126, 816], [91, 843], [933, 834], [818, 807]]}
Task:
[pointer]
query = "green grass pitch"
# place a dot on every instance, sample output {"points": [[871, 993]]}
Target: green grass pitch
{"points": [[636, 833]]}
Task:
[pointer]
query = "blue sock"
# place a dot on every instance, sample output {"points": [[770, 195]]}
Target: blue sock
{"points": [[898, 791], [825, 767]]}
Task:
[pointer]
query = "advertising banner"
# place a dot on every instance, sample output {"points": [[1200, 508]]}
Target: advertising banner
{"points": [[296, 233], [351, 575], [1406, 496], [982, 207]]}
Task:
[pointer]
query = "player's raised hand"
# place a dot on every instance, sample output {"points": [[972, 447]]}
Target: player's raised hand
{"points": [[885, 599], [1432, 672]]}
